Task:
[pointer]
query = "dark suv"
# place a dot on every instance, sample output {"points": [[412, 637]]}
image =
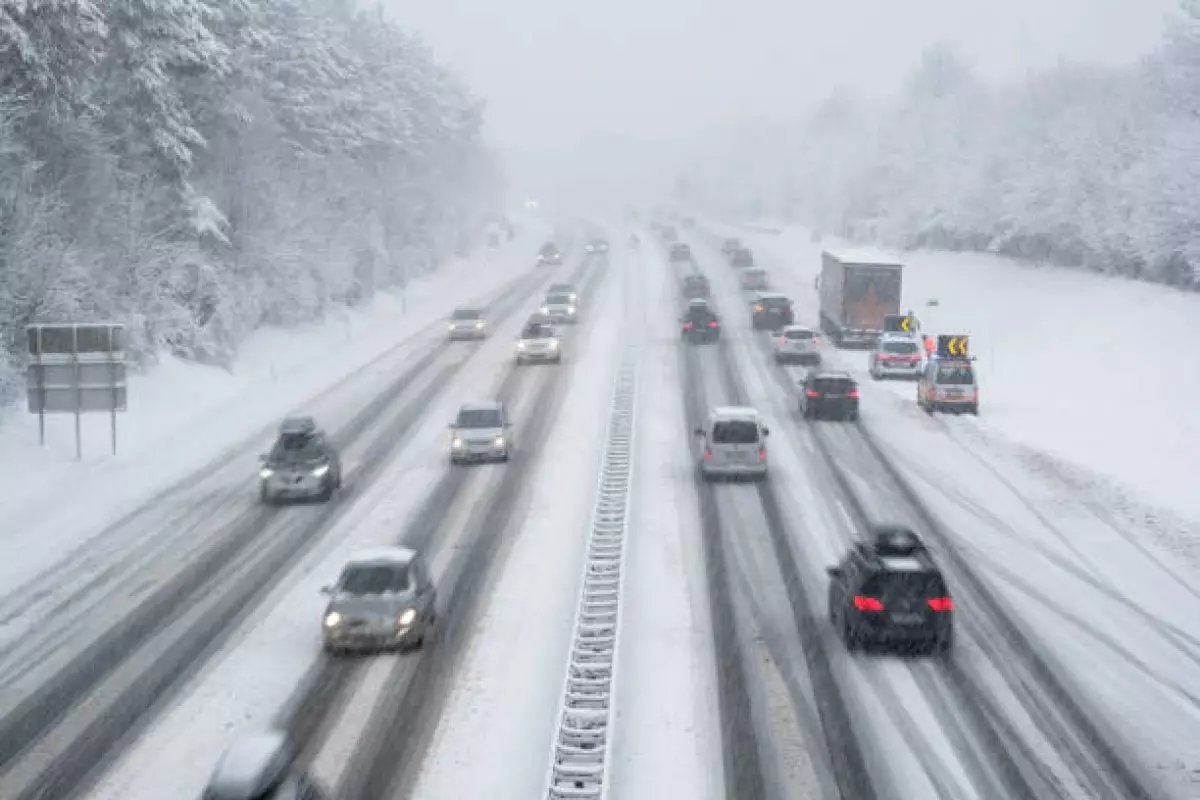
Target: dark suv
{"points": [[680, 252], [302, 465], [700, 323], [829, 394], [696, 285], [771, 312], [889, 591]]}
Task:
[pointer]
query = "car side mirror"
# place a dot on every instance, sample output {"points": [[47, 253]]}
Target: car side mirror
{"points": [[834, 572], [327, 590], [766, 431]]}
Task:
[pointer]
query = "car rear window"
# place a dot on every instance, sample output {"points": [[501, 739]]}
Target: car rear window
{"points": [[479, 418], [558, 299], [735, 431], [463, 313], [374, 578], [900, 348], [799, 335], [956, 374], [833, 385], [908, 585]]}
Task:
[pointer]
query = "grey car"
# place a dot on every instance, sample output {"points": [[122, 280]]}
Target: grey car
{"points": [[796, 344], [383, 600], [560, 307], [302, 465], [480, 432], [260, 766], [733, 444], [539, 342], [467, 323]]}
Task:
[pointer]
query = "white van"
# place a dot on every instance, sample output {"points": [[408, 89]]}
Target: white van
{"points": [[734, 444]]}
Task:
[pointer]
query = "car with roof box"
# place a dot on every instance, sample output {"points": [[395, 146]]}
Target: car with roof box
{"points": [[384, 599], [733, 444], [829, 393], [480, 432], [889, 591], [302, 464]]}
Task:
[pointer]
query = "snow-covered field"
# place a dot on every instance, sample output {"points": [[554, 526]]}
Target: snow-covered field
{"points": [[182, 416]]}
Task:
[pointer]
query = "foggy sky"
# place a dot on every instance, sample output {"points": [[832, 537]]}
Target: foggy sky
{"points": [[561, 75]]}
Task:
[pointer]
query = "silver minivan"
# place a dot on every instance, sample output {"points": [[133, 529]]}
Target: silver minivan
{"points": [[384, 599], [733, 444]]}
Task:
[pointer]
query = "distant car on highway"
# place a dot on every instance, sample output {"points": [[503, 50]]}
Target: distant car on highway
{"points": [[384, 599], [828, 393], [696, 286], [755, 278], [597, 246], [889, 591], [467, 323], [681, 252], [480, 432], [796, 344], [550, 255], [564, 288], [730, 245], [560, 307], [896, 355], [741, 258], [261, 766], [302, 464], [700, 323], [539, 341], [771, 311], [733, 444]]}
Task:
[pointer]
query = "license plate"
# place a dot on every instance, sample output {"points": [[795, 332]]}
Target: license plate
{"points": [[906, 618]]}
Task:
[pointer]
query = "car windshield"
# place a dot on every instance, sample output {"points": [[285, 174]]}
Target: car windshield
{"points": [[776, 303], [537, 332], [900, 348], [903, 585], [558, 299], [833, 385], [297, 447], [561, 287], [799, 335], [479, 418], [956, 374], [374, 578], [465, 314], [695, 280], [735, 431]]}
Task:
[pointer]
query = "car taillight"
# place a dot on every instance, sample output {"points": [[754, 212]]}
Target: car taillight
{"points": [[816, 340], [976, 396], [853, 394], [762, 454], [712, 324], [812, 393], [941, 604], [708, 455], [783, 340], [867, 603], [687, 326]]}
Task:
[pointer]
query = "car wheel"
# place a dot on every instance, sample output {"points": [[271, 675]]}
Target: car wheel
{"points": [[326, 494], [264, 496]]}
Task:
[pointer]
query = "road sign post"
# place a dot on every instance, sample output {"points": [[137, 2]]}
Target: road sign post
{"points": [[75, 369]]}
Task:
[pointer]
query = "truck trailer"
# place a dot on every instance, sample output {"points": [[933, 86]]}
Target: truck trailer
{"points": [[858, 289]]}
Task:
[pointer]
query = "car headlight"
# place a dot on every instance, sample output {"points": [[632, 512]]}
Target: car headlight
{"points": [[406, 618], [574, 297], [554, 344], [457, 442], [479, 324], [545, 309], [265, 473], [320, 471], [498, 441], [570, 309], [333, 619], [521, 345]]}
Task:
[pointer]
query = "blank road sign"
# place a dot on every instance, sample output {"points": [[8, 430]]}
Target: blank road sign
{"points": [[69, 400], [65, 339], [63, 375]]}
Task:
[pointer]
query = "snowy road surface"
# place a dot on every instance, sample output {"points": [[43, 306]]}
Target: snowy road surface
{"points": [[1075, 672]]}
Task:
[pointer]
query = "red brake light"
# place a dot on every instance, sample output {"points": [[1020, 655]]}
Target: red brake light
{"points": [[867, 603], [712, 324], [783, 340], [687, 326], [941, 604], [812, 393], [762, 454], [816, 340], [853, 394], [708, 455]]}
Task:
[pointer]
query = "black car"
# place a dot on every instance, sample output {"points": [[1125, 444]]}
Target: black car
{"points": [[302, 465], [889, 591], [829, 394], [741, 258], [771, 312], [696, 286], [681, 252], [700, 324]]}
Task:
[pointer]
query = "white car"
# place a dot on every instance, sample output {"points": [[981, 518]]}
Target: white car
{"points": [[898, 355], [796, 344], [539, 342], [734, 444], [467, 323], [560, 307]]}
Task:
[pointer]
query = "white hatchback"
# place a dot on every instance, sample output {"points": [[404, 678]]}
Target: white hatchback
{"points": [[796, 344]]}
